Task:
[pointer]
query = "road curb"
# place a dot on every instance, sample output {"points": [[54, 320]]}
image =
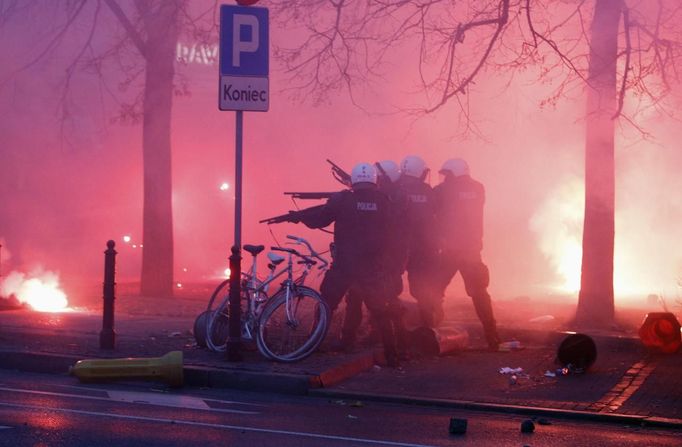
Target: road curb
{"points": [[204, 376], [502, 408], [37, 362], [247, 380]]}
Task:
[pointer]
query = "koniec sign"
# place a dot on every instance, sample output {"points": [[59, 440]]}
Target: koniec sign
{"points": [[244, 58]]}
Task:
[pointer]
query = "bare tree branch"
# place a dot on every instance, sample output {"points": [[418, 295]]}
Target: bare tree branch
{"points": [[54, 42], [500, 22], [626, 70], [71, 68], [129, 27], [553, 45]]}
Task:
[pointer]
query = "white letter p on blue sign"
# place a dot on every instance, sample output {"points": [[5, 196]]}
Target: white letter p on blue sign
{"points": [[243, 46], [243, 41]]}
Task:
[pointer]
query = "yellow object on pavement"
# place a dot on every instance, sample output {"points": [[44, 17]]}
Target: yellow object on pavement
{"points": [[167, 368]]}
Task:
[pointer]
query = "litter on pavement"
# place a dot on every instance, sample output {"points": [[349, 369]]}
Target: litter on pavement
{"points": [[513, 345], [542, 319], [508, 370]]}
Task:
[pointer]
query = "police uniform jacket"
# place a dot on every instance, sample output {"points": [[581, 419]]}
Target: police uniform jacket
{"points": [[459, 214], [361, 220], [420, 224]]}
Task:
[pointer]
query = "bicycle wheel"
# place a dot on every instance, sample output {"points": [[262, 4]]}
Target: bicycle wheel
{"points": [[220, 291], [201, 322], [217, 320], [291, 329], [217, 327], [199, 329]]}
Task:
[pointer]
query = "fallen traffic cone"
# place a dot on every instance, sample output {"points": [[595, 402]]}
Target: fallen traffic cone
{"points": [[661, 331], [167, 368]]}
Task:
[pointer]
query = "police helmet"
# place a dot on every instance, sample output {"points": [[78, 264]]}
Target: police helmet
{"points": [[455, 166], [413, 166], [363, 173], [389, 168]]}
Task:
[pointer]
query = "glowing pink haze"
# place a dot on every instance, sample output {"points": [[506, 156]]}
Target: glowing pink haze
{"points": [[64, 195]]}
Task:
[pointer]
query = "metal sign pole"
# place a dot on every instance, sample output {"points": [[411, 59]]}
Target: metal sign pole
{"points": [[243, 85], [234, 340]]}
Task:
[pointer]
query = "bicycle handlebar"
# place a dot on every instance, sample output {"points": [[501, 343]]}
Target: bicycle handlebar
{"points": [[288, 250], [313, 253], [307, 260]]}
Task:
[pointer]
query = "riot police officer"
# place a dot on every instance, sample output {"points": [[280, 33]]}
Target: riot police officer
{"points": [[423, 247], [459, 201], [395, 259], [361, 218]]}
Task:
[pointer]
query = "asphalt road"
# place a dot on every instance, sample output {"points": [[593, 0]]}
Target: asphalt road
{"points": [[48, 410]]}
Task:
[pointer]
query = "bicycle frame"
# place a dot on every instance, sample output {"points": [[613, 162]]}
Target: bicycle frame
{"points": [[254, 287]]}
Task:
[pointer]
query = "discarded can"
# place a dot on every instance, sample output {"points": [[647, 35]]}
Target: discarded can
{"points": [[432, 342], [458, 426], [527, 426], [513, 379]]}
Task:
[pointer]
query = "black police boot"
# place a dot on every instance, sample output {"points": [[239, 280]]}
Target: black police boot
{"points": [[388, 340], [371, 339], [492, 338], [392, 360], [345, 343], [427, 317]]}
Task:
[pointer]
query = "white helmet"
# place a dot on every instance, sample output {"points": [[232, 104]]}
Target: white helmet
{"points": [[413, 166], [363, 173], [456, 166], [389, 168]]}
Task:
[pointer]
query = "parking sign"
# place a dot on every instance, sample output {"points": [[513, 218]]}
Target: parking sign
{"points": [[244, 58]]}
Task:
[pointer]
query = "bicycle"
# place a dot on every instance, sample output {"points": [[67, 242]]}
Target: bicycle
{"points": [[287, 327]]}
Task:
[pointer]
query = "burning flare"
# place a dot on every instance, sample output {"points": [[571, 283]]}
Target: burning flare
{"points": [[40, 291], [645, 260], [559, 226]]}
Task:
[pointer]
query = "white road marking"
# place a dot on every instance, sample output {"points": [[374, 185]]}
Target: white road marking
{"points": [[174, 401], [219, 426], [4, 426], [164, 400], [108, 391]]}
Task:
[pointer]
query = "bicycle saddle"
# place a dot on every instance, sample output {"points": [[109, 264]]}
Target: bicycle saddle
{"points": [[275, 258], [254, 249]]}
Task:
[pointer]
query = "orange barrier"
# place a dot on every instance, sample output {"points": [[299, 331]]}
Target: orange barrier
{"points": [[661, 331]]}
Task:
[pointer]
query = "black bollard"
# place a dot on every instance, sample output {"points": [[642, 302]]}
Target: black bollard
{"points": [[107, 336], [234, 340]]}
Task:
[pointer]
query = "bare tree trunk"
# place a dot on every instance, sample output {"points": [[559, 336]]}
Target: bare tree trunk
{"points": [[595, 305], [161, 26]]}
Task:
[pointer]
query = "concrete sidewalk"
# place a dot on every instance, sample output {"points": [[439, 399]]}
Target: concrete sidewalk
{"points": [[626, 384], [52, 342]]}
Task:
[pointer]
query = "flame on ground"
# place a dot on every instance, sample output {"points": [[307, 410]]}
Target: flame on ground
{"points": [[40, 291], [559, 225], [642, 265]]}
